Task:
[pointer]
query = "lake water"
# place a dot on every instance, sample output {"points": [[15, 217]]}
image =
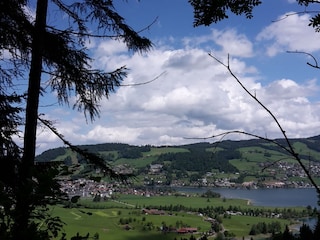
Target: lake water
{"points": [[280, 197]]}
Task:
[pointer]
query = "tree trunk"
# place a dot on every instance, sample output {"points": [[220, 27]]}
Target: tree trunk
{"points": [[24, 191], [34, 85]]}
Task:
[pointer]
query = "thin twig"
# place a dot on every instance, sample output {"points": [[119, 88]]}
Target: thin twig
{"points": [[244, 133], [310, 55], [289, 147], [294, 13], [143, 83]]}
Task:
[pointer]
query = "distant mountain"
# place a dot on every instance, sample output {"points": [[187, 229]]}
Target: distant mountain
{"points": [[57, 154], [243, 156], [311, 145]]}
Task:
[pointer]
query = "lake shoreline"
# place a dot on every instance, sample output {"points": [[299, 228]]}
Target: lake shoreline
{"points": [[275, 197]]}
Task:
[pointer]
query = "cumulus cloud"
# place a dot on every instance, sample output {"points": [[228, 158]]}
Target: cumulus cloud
{"points": [[290, 32], [227, 41], [194, 96], [232, 42]]}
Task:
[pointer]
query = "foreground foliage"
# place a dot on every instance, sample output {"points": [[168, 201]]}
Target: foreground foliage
{"points": [[51, 57]]}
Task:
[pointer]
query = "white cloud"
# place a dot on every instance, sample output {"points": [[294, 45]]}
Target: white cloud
{"points": [[290, 32], [289, 91], [108, 48], [229, 41], [232, 42], [196, 97]]}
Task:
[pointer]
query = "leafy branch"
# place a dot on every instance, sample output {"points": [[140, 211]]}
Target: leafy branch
{"points": [[91, 35]]}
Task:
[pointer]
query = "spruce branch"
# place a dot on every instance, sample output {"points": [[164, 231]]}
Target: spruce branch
{"points": [[91, 157]]}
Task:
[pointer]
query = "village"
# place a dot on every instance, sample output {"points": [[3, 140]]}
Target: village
{"points": [[89, 188]]}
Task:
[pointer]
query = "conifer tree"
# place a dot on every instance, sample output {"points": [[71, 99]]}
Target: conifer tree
{"points": [[30, 49]]}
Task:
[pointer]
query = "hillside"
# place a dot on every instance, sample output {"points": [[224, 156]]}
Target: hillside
{"points": [[252, 160]]}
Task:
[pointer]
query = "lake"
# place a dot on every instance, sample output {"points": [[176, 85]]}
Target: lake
{"points": [[280, 197]]}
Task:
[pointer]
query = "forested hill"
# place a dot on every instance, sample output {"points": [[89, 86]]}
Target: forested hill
{"points": [[225, 156]]}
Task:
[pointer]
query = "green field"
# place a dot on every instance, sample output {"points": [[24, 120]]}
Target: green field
{"points": [[148, 157], [105, 222], [107, 218], [240, 225], [193, 202]]}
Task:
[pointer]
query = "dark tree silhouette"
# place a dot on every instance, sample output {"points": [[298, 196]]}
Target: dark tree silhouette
{"points": [[208, 12], [287, 235], [30, 48]]}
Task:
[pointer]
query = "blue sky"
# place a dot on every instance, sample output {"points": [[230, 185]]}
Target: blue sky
{"points": [[195, 96]]}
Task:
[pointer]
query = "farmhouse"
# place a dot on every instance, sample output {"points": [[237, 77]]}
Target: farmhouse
{"points": [[153, 212], [155, 168], [187, 230]]}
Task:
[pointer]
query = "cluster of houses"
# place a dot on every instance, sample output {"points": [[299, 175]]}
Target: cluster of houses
{"points": [[87, 188], [282, 172], [294, 169], [90, 188]]}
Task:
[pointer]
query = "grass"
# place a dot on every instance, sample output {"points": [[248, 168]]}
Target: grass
{"points": [[304, 150], [161, 150], [137, 162], [149, 157], [245, 165], [241, 225], [258, 154], [192, 202], [104, 218], [105, 222]]}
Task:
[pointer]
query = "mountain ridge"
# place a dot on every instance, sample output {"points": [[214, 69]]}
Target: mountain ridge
{"points": [[312, 143], [249, 160]]}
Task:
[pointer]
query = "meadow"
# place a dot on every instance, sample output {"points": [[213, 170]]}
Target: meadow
{"points": [[123, 219], [106, 222]]}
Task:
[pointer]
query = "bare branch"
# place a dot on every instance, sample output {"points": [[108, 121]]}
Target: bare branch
{"points": [[310, 55], [289, 148], [244, 133], [143, 83], [251, 95], [294, 13]]}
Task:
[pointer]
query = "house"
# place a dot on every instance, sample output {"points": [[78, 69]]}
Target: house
{"points": [[155, 168], [187, 230], [153, 212]]}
